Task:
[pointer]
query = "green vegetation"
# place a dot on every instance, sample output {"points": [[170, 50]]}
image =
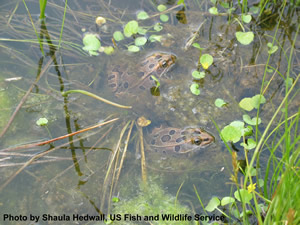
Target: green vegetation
{"points": [[150, 200]]}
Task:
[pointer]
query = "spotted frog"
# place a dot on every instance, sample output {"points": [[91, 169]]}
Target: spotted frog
{"points": [[125, 83]]}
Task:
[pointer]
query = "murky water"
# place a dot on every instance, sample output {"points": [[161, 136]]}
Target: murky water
{"points": [[77, 175]]}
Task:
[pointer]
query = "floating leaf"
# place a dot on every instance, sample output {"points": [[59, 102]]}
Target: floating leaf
{"points": [[143, 122], [91, 43], [246, 18], [231, 133], [158, 27], [272, 48], [254, 9], [181, 2], [195, 89], [161, 8], [245, 38], [133, 48], [213, 1], [247, 131], [238, 124], [109, 50], [250, 121], [206, 60], [140, 41], [142, 15], [196, 45], [244, 196], [220, 102], [131, 28], [118, 36], [155, 37], [142, 31], [164, 17], [224, 5], [250, 144], [227, 200], [198, 75], [100, 20], [213, 10], [212, 204], [257, 100], [115, 199], [247, 104], [42, 122]]}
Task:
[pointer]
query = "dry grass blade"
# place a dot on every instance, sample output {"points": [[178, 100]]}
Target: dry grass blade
{"points": [[110, 173], [143, 158], [61, 137], [37, 157], [124, 155]]}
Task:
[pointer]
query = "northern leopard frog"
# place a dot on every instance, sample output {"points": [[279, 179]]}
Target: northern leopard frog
{"points": [[126, 83]]}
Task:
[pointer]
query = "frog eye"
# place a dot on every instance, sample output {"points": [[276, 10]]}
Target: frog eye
{"points": [[164, 64], [197, 141]]}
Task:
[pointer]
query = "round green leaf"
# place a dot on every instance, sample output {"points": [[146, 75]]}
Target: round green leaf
{"points": [[164, 18], [231, 133], [250, 144], [158, 27], [247, 131], [196, 45], [220, 102], [161, 8], [258, 99], [213, 10], [227, 200], [245, 196], [250, 121], [131, 28], [91, 43], [246, 104], [238, 124], [109, 50], [195, 89], [198, 75], [245, 38], [142, 15], [118, 36], [140, 41], [206, 60], [133, 48], [142, 31], [246, 18], [42, 122], [115, 199], [155, 37], [254, 9], [212, 204]]}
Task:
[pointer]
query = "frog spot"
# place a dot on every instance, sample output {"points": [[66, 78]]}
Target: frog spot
{"points": [[165, 138], [177, 148], [158, 56], [112, 85], [152, 142], [125, 85], [141, 74], [142, 87], [179, 140], [112, 76], [172, 132], [151, 66]]}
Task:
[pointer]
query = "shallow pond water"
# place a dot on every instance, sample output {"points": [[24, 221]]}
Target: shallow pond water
{"points": [[80, 174]]}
